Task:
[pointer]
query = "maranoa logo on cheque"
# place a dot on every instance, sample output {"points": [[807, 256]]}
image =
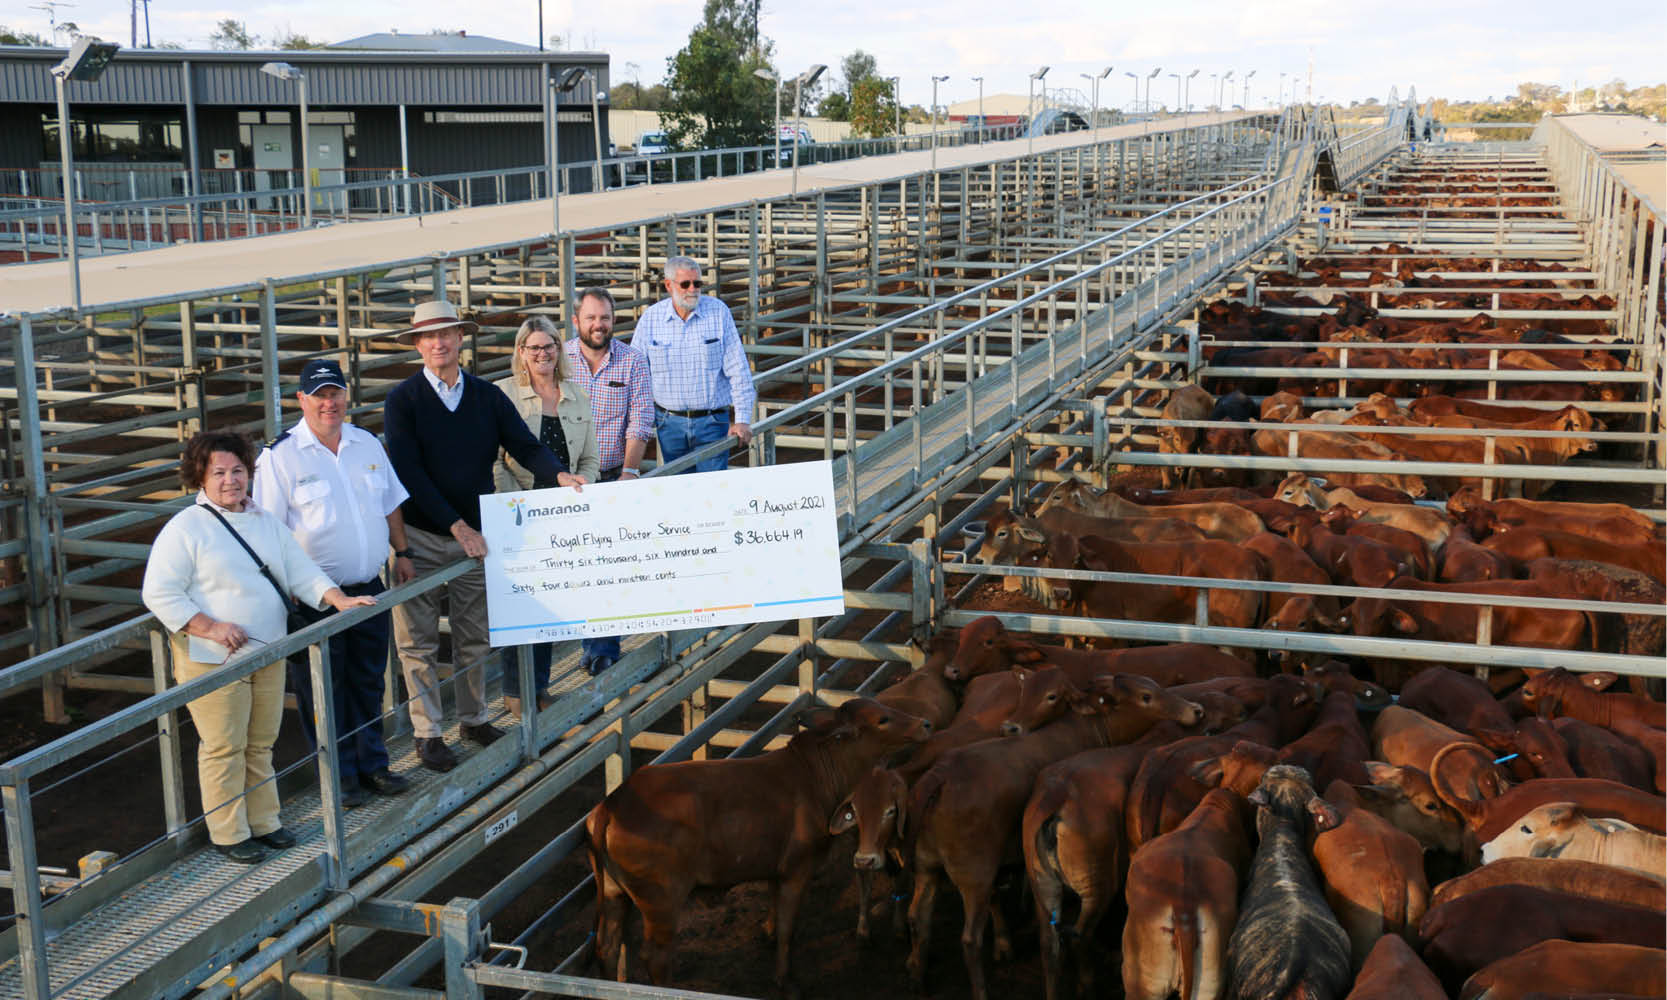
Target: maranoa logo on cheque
{"points": [[523, 511]]}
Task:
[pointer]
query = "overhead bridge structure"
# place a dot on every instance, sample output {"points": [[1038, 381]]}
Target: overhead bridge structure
{"points": [[946, 338]]}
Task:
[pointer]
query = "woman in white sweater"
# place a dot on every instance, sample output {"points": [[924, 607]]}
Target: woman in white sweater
{"points": [[213, 596]]}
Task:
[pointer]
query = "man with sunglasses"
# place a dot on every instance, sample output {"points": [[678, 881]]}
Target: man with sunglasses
{"points": [[703, 387]]}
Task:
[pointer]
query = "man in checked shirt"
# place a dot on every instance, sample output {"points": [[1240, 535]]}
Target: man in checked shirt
{"points": [[703, 387], [622, 408]]}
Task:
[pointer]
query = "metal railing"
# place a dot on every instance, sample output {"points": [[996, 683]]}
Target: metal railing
{"points": [[32, 223]]}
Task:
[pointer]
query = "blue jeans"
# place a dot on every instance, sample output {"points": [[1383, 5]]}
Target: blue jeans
{"points": [[512, 668], [680, 435], [358, 658]]}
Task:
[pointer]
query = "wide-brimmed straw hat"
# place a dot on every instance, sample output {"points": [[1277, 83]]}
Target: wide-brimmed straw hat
{"points": [[436, 315]]}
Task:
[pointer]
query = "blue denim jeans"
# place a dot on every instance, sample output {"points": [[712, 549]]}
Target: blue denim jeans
{"points": [[512, 668], [680, 435]]}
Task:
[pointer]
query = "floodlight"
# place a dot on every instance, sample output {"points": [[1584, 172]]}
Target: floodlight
{"points": [[87, 60], [810, 75], [281, 70], [570, 79], [764, 74], [1039, 74]]}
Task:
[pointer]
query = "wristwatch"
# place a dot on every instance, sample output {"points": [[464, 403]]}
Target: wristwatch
{"points": [[402, 553], [630, 472]]}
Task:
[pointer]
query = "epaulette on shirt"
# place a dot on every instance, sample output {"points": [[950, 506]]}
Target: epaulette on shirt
{"points": [[280, 439]]}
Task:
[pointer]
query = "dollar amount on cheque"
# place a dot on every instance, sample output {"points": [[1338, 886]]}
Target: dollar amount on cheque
{"points": [[702, 550]]}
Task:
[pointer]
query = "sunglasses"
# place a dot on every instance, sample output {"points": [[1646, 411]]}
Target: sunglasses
{"points": [[691, 283]]}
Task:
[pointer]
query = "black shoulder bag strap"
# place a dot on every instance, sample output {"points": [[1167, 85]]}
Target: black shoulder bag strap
{"points": [[289, 605]]}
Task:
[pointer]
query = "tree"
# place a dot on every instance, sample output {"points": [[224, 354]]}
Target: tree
{"points": [[232, 34], [291, 40], [714, 100], [835, 107], [10, 37], [873, 108], [857, 67]]}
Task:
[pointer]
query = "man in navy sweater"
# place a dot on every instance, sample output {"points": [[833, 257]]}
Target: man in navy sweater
{"points": [[444, 428]]}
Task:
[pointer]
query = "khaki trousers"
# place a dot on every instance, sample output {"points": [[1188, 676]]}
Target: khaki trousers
{"points": [[417, 637], [236, 727]]}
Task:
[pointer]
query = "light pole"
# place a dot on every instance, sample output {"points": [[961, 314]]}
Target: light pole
{"points": [[1136, 78], [1149, 78], [897, 108], [552, 161], [800, 82], [596, 128], [935, 81], [1177, 77], [1221, 95], [1095, 79], [1030, 126], [1282, 90], [1213, 88], [1246, 99], [764, 74], [86, 62], [980, 109], [285, 71]]}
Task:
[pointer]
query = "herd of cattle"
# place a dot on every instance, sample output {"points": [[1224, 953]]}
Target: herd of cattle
{"points": [[1191, 821], [1293, 835]]}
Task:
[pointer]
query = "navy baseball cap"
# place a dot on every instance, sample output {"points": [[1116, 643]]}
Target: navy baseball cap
{"points": [[319, 373]]}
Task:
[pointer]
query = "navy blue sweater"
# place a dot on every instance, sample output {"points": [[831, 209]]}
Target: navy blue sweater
{"points": [[444, 458]]}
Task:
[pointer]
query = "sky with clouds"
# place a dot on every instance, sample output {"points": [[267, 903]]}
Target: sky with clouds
{"points": [[1464, 50]]}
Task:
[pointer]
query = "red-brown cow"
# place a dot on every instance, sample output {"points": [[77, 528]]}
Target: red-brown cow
{"points": [[1182, 893], [1643, 720], [1393, 971], [1189, 402], [1461, 560], [1223, 521], [1288, 563], [1534, 744], [1454, 699], [1412, 617], [987, 647], [1587, 879], [1341, 520], [1335, 748], [1572, 967], [1486, 818], [1641, 634], [1514, 512], [672, 827], [1405, 797], [1527, 544], [1595, 752], [876, 809], [966, 809], [1352, 560], [1477, 929], [1373, 872]]}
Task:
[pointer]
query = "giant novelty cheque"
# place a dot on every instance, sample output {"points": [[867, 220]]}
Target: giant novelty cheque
{"points": [[693, 551]]}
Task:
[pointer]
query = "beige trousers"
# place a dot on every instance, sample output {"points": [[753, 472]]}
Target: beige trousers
{"points": [[236, 727], [417, 637]]}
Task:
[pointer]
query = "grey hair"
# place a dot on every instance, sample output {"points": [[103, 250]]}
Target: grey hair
{"points": [[680, 263], [541, 324]]}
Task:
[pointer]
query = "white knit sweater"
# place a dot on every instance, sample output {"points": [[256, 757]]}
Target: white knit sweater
{"points": [[196, 565]]}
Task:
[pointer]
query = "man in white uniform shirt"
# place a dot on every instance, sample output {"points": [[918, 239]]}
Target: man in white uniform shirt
{"points": [[333, 485]]}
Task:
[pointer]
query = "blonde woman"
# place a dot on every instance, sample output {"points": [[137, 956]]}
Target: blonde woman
{"points": [[557, 411]]}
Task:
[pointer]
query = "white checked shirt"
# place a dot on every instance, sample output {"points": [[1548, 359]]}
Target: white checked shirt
{"points": [[697, 363], [450, 395], [337, 505]]}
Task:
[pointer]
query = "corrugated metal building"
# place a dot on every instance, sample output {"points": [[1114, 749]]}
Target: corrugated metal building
{"points": [[162, 113]]}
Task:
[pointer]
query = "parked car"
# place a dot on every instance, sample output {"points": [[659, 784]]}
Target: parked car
{"points": [[806, 144], [648, 144]]}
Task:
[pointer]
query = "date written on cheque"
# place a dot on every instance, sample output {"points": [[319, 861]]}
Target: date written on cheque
{"points": [[765, 505], [768, 537]]}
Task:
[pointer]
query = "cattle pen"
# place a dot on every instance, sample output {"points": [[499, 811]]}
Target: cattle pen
{"points": [[950, 339]]}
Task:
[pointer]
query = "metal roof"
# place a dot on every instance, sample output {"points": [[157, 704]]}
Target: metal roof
{"points": [[443, 41], [347, 77]]}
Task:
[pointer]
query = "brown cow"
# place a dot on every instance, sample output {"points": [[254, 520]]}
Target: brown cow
{"points": [[1534, 744], [672, 827], [1339, 445], [1515, 512], [1003, 529], [1529, 543], [1454, 699], [1224, 521], [1335, 748], [925, 692], [1182, 894], [876, 810], [1481, 927], [1408, 738], [1640, 634], [1341, 520], [1568, 967], [966, 809], [1189, 402], [1582, 878], [1165, 790], [1373, 872], [1352, 560], [1488, 817], [1072, 838], [1461, 560], [1393, 971], [1405, 797], [1595, 752], [1411, 617], [1288, 563], [987, 647], [1557, 692]]}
